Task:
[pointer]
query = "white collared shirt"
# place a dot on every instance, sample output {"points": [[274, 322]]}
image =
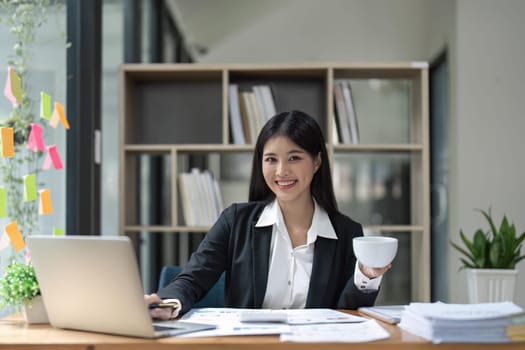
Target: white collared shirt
{"points": [[290, 268]]}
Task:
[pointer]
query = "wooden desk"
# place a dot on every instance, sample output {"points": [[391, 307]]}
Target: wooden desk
{"points": [[16, 334]]}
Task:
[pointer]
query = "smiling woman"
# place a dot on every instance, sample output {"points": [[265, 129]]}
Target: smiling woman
{"points": [[288, 247]]}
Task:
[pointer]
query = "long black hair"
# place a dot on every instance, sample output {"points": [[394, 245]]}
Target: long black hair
{"points": [[304, 131]]}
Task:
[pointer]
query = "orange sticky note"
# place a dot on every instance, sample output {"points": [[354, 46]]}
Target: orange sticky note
{"points": [[15, 236], [35, 141], [58, 116], [52, 157], [7, 139], [44, 205], [3, 200]]}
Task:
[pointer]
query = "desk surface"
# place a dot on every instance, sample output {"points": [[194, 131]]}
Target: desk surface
{"points": [[16, 334]]}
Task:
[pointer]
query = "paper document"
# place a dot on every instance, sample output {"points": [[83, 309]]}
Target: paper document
{"points": [[228, 320], [338, 332]]}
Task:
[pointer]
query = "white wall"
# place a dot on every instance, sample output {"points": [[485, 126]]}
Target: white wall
{"points": [[487, 122], [329, 30], [486, 51]]}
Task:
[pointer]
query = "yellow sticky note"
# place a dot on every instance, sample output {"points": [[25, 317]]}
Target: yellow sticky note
{"points": [[58, 231], [44, 205], [16, 85], [2, 202], [15, 236], [29, 187], [45, 105], [7, 139]]}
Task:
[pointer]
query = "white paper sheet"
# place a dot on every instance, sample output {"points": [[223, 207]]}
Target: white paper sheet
{"points": [[228, 322], [336, 332]]}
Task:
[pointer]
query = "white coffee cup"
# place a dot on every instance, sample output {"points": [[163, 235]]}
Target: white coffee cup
{"points": [[375, 251]]}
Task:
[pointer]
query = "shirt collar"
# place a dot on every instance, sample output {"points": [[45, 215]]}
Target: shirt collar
{"points": [[321, 224]]}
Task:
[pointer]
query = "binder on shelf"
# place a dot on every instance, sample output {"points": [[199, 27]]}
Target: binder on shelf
{"points": [[248, 106], [186, 193], [235, 116], [350, 111], [200, 197], [341, 119], [260, 104], [246, 127]]}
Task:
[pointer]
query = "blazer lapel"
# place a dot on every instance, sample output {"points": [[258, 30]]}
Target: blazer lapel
{"points": [[261, 255], [322, 264]]}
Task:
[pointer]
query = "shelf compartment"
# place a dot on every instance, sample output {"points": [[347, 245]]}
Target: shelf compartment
{"points": [[173, 106], [378, 189], [292, 89]]}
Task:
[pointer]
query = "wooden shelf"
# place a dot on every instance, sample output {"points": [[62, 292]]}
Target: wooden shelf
{"points": [[179, 113]]}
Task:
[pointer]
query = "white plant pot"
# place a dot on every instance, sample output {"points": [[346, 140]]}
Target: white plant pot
{"points": [[36, 311], [491, 285]]}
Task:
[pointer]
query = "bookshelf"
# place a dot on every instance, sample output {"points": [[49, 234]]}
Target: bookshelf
{"points": [[180, 113]]}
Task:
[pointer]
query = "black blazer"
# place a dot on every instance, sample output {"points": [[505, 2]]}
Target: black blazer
{"points": [[236, 246]]}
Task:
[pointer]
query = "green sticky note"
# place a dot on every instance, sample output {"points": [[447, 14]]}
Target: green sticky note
{"points": [[58, 231], [30, 188], [2, 202], [45, 105]]}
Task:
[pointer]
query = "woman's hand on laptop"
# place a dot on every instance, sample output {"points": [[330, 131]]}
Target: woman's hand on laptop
{"points": [[161, 313]]}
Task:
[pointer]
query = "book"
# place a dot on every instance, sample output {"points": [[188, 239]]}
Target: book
{"points": [[388, 313], [235, 116]]}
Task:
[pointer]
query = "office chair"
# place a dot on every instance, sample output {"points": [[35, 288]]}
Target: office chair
{"points": [[214, 297]]}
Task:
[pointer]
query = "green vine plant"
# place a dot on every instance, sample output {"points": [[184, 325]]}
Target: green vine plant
{"points": [[23, 18]]}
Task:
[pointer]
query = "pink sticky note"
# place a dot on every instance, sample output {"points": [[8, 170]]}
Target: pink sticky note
{"points": [[35, 141], [52, 157], [7, 89]]}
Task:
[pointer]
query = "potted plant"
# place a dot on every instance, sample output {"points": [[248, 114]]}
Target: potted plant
{"points": [[490, 259], [19, 288]]}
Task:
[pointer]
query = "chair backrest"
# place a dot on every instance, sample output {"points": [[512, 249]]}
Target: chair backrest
{"points": [[214, 297]]}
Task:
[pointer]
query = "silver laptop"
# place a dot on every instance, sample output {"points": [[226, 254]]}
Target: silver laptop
{"points": [[92, 283]]}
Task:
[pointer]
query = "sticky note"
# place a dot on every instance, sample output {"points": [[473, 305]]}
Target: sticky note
{"points": [[4, 241], [29, 187], [7, 139], [45, 105], [35, 141], [13, 87], [3, 200], [52, 157], [58, 116], [16, 85], [44, 205], [58, 231], [15, 236]]}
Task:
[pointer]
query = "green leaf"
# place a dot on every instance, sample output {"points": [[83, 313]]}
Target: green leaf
{"points": [[489, 219]]}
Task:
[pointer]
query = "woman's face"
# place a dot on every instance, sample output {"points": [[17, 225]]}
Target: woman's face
{"points": [[288, 169]]}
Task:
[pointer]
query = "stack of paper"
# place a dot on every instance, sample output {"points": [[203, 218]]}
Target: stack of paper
{"points": [[459, 323], [516, 328]]}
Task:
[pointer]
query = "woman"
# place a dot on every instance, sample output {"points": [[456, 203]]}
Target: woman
{"points": [[289, 246]]}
